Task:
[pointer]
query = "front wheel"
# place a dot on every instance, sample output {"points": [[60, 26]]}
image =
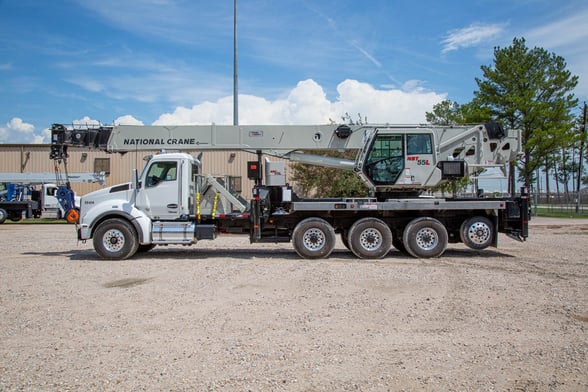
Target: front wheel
{"points": [[314, 238], [370, 238], [425, 238], [115, 239], [3, 215]]}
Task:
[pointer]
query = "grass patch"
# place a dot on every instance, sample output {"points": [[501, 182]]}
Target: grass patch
{"points": [[37, 221], [559, 214]]}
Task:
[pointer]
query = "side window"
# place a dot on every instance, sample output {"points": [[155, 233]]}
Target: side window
{"points": [[161, 171], [102, 165], [418, 144]]}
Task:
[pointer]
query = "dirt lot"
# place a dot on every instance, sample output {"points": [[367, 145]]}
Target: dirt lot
{"points": [[227, 315]]}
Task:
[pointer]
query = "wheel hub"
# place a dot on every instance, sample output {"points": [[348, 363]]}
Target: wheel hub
{"points": [[113, 240], [370, 239], [479, 233], [427, 239], [314, 239]]}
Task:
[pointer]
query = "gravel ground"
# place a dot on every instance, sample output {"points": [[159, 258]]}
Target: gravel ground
{"points": [[228, 315]]}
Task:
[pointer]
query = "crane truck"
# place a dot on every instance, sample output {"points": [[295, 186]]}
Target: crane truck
{"points": [[173, 202], [35, 194]]}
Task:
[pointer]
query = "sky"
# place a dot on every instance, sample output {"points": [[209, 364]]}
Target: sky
{"points": [[300, 61]]}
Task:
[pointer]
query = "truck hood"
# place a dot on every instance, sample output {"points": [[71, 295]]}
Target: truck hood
{"points": [[120, 191]]}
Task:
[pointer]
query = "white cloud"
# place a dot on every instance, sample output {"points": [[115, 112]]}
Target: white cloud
{"points": [[307, 103], [17, 131], [85, 121], [87, 84], [128, 120], [122, 120], [472, 35]]}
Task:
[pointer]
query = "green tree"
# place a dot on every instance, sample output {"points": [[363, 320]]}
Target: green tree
{"points": [[530, 90], [318, 181], [445, 112], [449, 112]]}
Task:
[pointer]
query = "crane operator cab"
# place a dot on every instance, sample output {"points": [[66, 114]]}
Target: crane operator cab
{"points": [[399, 162]]}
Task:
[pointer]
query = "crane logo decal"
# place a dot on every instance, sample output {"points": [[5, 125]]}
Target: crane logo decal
{"points": [[160, 141], [420, 162]]}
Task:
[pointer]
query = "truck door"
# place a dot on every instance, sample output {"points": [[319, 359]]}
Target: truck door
{"points": [[159, 196], [385, 160], [49, 200]]}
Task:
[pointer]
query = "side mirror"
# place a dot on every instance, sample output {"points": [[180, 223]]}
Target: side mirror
{"points": [[135, 185], [135, 179]]}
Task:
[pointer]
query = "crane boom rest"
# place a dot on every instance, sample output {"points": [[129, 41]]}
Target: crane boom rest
{"points": [[173, 202]]}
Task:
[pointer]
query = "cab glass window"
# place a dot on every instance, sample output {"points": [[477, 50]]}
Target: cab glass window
{"points": [[160, 172], [419, 144], [385, 161]]}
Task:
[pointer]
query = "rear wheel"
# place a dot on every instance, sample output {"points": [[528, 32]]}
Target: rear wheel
{"points": [[477, 232], [314, 238], [425, 238], [370, 238], [115, 239], [3, 215]]}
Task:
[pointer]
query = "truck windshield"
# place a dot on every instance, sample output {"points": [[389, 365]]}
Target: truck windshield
{"points": [[385, 161]]}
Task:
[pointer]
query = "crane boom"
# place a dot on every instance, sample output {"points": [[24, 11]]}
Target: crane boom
{"points": [[389, 159], [43, 178]]}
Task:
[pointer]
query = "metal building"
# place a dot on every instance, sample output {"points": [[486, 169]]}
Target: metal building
{"points": [[34, 158]]}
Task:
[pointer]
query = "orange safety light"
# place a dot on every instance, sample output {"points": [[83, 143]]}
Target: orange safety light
{"points": [[72, 216]]}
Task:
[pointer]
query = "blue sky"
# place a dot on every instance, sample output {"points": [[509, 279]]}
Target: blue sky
{"points": [[300, 61]]}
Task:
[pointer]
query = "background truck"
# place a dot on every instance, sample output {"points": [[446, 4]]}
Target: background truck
{"points": [[26, 195], [173, 202]]}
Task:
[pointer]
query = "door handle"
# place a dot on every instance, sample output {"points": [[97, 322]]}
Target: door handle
{"points": [[173, 205]]}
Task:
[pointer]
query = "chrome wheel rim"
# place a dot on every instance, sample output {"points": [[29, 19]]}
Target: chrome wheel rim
{"points": [[479, 233], [427, 238], [370, 239], [113, 240], [314, 239]]}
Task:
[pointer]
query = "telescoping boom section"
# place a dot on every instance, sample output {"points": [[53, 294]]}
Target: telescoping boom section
{"points": [[175, 202], [390, 158]]}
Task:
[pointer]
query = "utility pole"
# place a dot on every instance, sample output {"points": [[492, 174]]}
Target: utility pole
{"points": [[579, 179], [235, 68]]}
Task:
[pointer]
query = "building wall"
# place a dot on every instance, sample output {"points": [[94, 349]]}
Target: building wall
{"points": [[34, 158]]}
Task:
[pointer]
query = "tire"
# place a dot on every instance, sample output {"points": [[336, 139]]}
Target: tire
{"points": [[3, 215], [477, 232], [425, 238], [313, 238], [115, 239], [370, 238]]}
